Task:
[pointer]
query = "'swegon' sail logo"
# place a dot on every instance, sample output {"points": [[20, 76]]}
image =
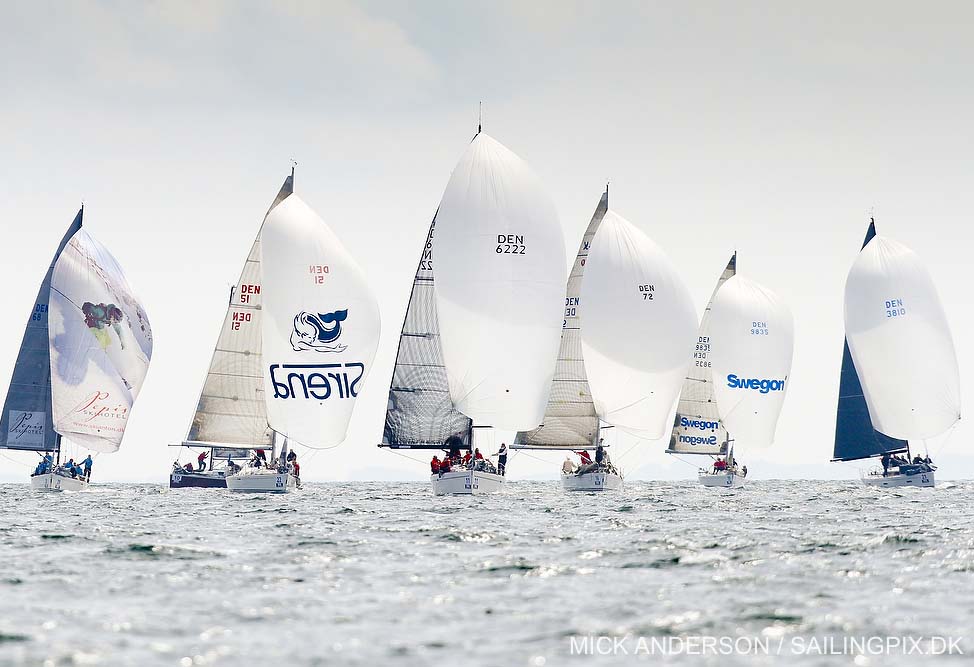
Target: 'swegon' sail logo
{"points": [[318, 331], [764, 386], [701, 425]]}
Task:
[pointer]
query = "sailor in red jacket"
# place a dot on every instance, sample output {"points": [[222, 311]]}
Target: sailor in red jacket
{"points": [[201, 460], [435, 465], [586, 458]]}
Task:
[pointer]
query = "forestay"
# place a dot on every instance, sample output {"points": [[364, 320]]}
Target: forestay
{"points": [[27, 419], [900, 342], [320, 326], [420, 412], [751, 352], [500, 281], [697, 428], [100, 344], [638, 327], [231, 407], [855, 437], [570, 419]]}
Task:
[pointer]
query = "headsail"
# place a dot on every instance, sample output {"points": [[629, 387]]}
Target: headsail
{"points": [[500, 281], [570, 419], [231, 407], [100, 343], [27, 418], [638, 327], [855, 437], [751, 353], [900, 342], [420, 412], [697, 428], [320, 326]]}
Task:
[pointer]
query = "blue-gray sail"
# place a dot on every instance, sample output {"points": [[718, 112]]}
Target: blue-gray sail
{"points": [[855, 437], [27, 420]]}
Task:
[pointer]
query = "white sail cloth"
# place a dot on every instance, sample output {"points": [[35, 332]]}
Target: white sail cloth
{"points": [[320, 326], [752, 342], [638, 328], [500, 285], [100, 343], [901, 343]]}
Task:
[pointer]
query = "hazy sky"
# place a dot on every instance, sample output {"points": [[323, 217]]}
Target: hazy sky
{"points": [[769, 127]]}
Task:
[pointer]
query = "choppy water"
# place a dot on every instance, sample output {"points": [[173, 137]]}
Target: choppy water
{"points": [[387, 574]]}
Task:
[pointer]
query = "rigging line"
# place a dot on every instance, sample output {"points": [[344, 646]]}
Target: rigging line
{"points": [[682, 460], [950, 434], [20, 463], [398, 453]]}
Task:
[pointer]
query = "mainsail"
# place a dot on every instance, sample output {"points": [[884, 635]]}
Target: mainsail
{"points": [[697, 428], [570, 419], [855, 437], [231, 408], [500, 281], [320, 326], [751, 354], [638, 326], [900, 342], [100, 343], [27, 419], [420, 413]]}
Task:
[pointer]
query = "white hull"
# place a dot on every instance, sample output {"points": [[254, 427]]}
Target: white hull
{"points": [[264, 481], [592, 481], [52, 482], [725, 480], [466, 482], [899, 479]]}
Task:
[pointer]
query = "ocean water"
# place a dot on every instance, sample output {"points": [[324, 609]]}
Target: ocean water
{"points": [[387, 574]]}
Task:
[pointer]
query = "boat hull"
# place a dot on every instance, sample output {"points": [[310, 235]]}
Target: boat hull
{"points": [[466, 482], [923, 479], [724, 480], [206, 480], [51, 482], [262, 482], [592, 481]]}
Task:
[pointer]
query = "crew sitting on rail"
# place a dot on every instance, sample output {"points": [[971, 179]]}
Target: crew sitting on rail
{"points": [[720, 465], [567, 467]]}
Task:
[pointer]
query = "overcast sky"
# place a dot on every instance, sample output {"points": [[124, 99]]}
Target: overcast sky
{"points": [[773, 128]]}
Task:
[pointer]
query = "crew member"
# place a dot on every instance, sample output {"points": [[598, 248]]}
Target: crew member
{"points": [[87, 464], [201, 461], [502, 458], [435, 465]]}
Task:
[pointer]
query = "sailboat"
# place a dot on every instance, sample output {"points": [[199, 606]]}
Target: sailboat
{"points": [[899, 380], [752, 343], [82, 362], [697, 429], [230, 422], [481, 352], [319, 333], [637, 324], [570, 420]]}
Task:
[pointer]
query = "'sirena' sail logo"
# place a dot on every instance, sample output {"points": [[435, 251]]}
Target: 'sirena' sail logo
{"points": [[316, 381], [764, 386], [319, 331]]}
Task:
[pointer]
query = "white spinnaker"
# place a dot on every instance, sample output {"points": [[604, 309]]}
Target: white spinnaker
{"points": [[100, 343], [500, 287], [320, 326], [752, 342], [638, 328], [900, 342]]}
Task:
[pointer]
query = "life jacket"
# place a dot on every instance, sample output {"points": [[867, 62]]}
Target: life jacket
{"points": [[435, 465]]}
